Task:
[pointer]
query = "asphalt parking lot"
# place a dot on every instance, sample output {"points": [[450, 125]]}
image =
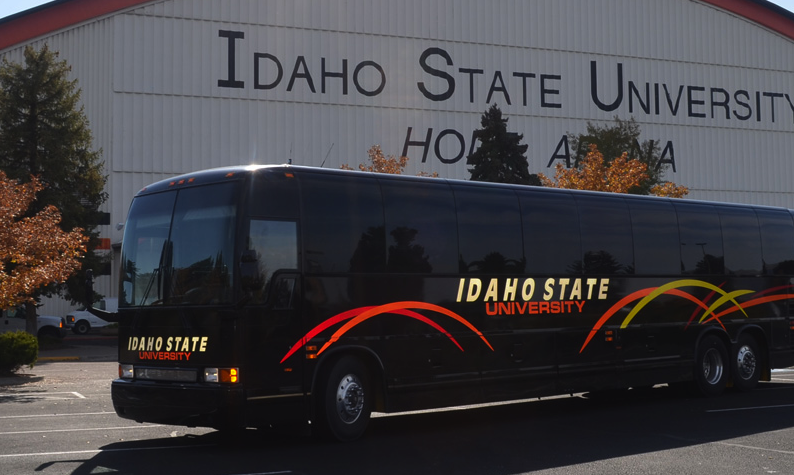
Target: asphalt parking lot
{"points": [[57, 418], [92, 347]]}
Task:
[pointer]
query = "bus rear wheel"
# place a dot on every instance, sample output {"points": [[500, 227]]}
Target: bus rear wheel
{"points": [[345, 400], [746, 363], [711, 370]]}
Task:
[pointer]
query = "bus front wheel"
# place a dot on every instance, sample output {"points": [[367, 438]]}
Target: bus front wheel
{"points": [[345, 400], [711, 370], [746, 363]]}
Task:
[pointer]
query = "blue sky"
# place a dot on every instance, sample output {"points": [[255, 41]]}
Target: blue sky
{"points": [[9, 7]]}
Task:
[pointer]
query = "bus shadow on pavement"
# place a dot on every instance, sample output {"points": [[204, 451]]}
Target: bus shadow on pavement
{"points": [[502, 439]]}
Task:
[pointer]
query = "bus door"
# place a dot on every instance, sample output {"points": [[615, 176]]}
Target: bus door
{"points": [[269, 334], [273, 319]]}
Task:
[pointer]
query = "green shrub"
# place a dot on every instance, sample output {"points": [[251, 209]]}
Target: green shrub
{"points": [[16, 350]]}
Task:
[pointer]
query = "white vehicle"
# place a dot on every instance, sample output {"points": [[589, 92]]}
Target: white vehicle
{"points": [[47, 325], [82, 321]]}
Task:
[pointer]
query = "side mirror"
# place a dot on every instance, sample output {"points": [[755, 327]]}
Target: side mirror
{"points": [[250, 276]]}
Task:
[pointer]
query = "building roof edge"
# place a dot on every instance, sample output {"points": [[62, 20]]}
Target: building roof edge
{"points": [[54, 16], [59, 14], [762, 12]]}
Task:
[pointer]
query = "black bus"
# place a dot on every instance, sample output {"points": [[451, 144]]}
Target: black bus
{"points": [[253, 296]]}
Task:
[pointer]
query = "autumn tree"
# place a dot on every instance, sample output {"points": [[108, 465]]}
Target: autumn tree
{"points": [[44, 132], [619, 175], [380, 163], [500, 157], [619, 137], [34, 250]]}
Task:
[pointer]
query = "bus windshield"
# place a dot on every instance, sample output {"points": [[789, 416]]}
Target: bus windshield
{"points": [[178, 247]]}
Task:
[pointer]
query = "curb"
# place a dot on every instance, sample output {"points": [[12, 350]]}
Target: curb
{"points": [[57, 358]]}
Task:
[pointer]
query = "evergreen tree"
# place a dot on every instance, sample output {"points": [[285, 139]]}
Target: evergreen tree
{"points": [[500, 156], [44, 133]]}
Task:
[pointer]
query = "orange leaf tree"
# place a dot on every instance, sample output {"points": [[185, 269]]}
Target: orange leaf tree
{"points": [[618, 176], [380, 163], [670, 190], [34, 250]]}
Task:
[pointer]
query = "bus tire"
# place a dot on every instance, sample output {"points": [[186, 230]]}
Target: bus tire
{"points": [[345, 400], [746, 363], [711, 366]]}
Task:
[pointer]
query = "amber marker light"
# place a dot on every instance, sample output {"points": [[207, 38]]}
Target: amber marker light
{"points": [[229, 375], [311, 352]]}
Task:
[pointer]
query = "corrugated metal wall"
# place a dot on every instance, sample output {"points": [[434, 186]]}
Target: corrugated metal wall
{"points": [[716, 88]]}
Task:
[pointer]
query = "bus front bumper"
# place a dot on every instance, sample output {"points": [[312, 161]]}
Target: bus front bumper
{"points": [[193, 405]]}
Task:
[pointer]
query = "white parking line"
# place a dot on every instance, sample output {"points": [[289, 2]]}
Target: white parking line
{"points": [[736, 409], [78, 430], [98, 451], [760, 449], [44, 395], [27, 416]]}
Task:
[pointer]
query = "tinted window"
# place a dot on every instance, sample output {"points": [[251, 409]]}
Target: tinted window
{"points": [[275, 244], [343, 223], [489, 230], [551, 232], [701, 239], [144, 247], [741, 241], [421, 231], [178, 247], [275, 194], [656, 244], [200, 270], [606, 235], [777, 241]]}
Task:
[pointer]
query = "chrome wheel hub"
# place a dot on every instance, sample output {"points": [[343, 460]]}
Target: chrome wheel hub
{"points": [[712, 366], [349, 399], [745, 362]]}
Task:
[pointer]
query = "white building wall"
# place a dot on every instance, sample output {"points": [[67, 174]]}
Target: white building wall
{"points": [[150, 78], [170, 57]]}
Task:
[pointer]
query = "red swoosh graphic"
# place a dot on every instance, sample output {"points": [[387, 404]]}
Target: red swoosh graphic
{"points": [[361, 314], [751, 303], [322, 326]]}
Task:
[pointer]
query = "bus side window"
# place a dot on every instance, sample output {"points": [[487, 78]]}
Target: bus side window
{"points": [[657, 248], [276, 246], [342, 224], [489, 230], [552, 243], [701, 239], [605, 225], [741, 241], [421, 227], [777, 241]]}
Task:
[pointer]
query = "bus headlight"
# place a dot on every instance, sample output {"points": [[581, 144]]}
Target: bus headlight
{"points": [[221, 375], [126, 371]]}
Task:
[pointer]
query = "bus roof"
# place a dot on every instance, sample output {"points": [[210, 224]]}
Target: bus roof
{"points": [[238, 172]]}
